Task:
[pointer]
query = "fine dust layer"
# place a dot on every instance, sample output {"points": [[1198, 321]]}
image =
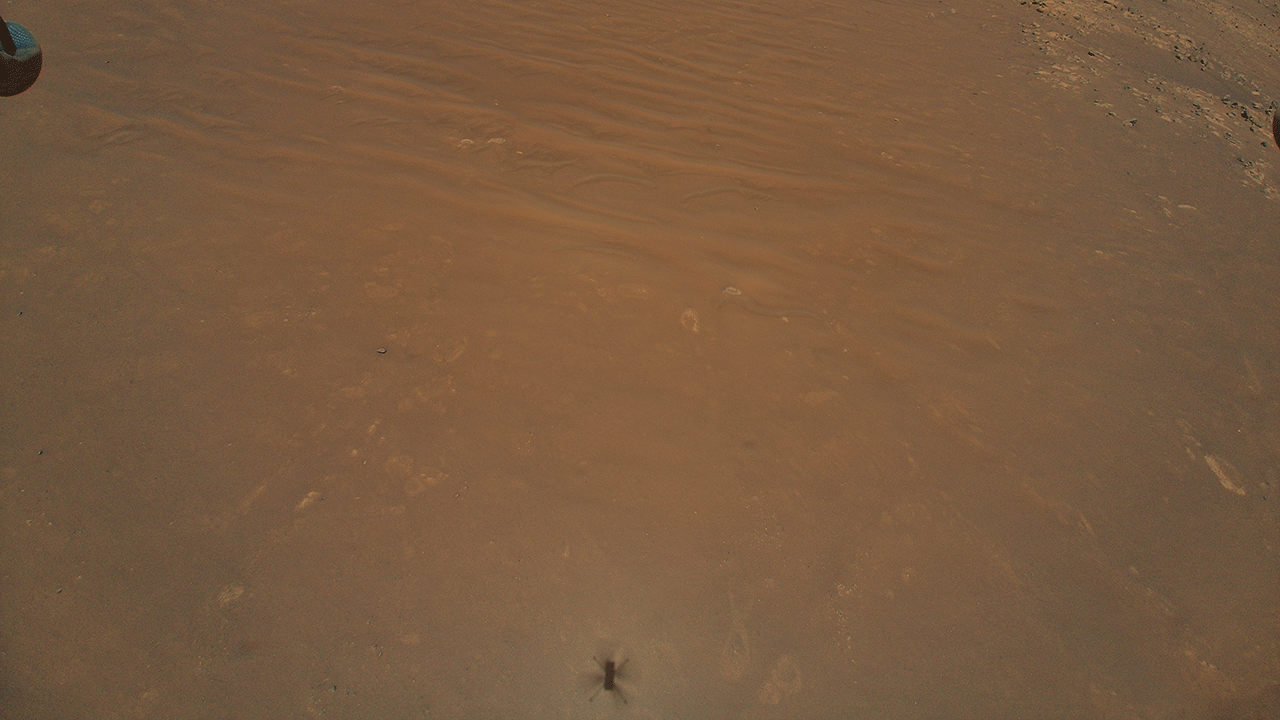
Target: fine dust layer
{"points": [[878, 359]]}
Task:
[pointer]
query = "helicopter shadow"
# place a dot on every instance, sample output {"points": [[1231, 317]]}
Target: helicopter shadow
{"points": [[615, 671]]}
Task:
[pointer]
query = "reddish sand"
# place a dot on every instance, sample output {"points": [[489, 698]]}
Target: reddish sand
{"points": [[900, 359]]}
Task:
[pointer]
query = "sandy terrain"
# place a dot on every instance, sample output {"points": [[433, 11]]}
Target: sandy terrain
{"points": [[895, 359]]}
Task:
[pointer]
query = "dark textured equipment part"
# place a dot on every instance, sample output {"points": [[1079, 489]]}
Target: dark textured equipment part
{"points": [[20, 58], [1275, 125]]}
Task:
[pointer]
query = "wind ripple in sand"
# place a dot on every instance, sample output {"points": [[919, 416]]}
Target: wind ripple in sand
{"points": [[734, 296]]}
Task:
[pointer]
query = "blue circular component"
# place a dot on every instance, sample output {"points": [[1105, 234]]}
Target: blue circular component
{"points": [[22, 37], [19, 68]]}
